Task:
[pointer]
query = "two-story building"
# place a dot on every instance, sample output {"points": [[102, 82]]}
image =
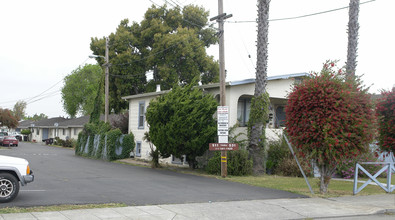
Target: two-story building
{"points": [[238, 98]]}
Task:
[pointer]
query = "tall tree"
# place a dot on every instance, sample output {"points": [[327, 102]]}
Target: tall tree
{"points": [[181, 122], [37, 117], [20, 110], [353, 27], [329, 120], [7, 118], [80, 89], [169, 43], [260, 101]]}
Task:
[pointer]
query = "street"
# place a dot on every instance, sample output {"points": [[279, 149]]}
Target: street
{"points": [[63, 178]]}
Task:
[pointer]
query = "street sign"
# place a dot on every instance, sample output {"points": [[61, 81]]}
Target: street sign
{"points": [[223, 120], [223, 146]]}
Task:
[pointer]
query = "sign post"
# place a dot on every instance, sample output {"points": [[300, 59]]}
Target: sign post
{"points": [[223, 133]]}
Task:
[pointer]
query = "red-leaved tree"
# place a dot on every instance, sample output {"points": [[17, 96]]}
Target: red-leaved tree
{"points": [[7, 118], [329, 119], [385, 110]]}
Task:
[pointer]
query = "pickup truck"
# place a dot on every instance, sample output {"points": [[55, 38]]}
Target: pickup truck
{"points": [[13, 170]]}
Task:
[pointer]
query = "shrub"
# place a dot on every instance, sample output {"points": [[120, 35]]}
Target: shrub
{"points": [[385, 111], [26, 132], [346, 169], [329, 119], [120, 121], [238, 163], [127, 145], [108, 138], [276, 153], [289, 167]]}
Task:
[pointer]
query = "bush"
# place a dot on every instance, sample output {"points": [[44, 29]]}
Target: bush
{"points": [[289, 167], [385, 111], [120, 121], [276, 153], [346, 169], [108, 139], [26, 132], [238, 163]]}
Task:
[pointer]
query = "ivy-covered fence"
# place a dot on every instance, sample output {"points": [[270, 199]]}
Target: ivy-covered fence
{"points": [[103, 143]]}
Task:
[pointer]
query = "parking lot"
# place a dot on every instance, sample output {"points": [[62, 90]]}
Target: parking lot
{"points": [[63, 178]]}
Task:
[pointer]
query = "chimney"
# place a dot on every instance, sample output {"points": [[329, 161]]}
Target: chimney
{"points": [[158, 88]]}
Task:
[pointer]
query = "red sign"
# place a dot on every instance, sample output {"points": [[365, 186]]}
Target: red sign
{"points": [[223, 146]]}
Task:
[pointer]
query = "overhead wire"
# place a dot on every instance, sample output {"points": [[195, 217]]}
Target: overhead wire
{"points": [[302, 16], [42, 95]]}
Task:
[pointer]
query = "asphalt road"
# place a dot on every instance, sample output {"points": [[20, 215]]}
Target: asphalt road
{"points": [[63, 178]]}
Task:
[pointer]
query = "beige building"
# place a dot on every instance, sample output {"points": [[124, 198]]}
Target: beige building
{"points": [[238, 98]]}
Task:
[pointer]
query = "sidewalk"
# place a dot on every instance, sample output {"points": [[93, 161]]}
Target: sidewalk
{"points": [[257, 209]]}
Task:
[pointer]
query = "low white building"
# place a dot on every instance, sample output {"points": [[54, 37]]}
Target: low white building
{"points": [[238, 98]]}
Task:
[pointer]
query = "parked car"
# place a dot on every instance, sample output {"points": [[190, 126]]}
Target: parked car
{"points": [[13, 170], [10, 141], [1, 138]]}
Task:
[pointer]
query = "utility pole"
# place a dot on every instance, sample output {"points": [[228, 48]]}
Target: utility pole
{"points": [[106, 104], [222, 78]]}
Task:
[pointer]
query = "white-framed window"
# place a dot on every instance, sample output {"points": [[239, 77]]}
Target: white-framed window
{"points": [[243, 111], [176, 160], [141, 115], [64, 131], [138, 149]]}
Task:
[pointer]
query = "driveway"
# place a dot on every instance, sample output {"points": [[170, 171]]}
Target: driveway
{"points": [[63, 178]]}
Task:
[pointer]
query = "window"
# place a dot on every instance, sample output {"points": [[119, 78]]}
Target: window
{"points": [[280, 117], [141, 115], [64, 131], [138, 149], [243, 111], [176, 160]]}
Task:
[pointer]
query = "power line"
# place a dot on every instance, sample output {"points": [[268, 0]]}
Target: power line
{"points": [[42, 95], [302, 16]]}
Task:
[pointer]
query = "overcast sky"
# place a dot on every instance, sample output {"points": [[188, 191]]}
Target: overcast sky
{"points": [[42, 41]]}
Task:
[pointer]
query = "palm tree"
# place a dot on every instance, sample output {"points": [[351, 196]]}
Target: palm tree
{"points": [[353, 27], [259, 103]]}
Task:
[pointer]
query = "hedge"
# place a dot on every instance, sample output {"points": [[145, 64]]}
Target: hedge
{"points": [[100, 142]]}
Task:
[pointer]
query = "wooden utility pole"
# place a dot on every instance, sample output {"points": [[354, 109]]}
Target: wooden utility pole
{"points": [[222, 78], [106, 84]]}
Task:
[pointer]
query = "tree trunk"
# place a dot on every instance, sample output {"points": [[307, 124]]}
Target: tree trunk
{"points": [[256, 125], [326, 172], [353, 28]]}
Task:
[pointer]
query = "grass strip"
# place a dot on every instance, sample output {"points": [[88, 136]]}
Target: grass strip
{"points": [[55, 208]]}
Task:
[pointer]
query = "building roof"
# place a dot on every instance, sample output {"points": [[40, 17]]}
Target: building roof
{"points": [[75, 122], [214, 85], [25, 124], [269, 78], [50, 122]]}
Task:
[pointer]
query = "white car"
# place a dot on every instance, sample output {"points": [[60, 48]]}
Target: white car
{"points": [[13, 170]]}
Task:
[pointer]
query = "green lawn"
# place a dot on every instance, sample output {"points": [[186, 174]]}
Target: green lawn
{"points": [[298, 185]]}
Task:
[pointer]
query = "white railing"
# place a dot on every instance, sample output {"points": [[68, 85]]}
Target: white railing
{"points": [[388, 166]]}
